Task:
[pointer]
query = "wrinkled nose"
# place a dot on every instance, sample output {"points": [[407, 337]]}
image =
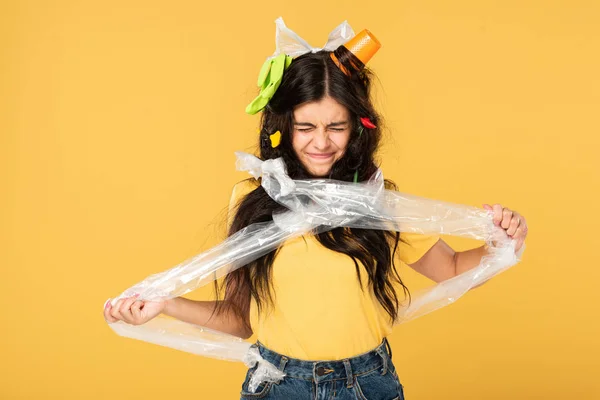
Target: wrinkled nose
{"points": [[321, 139]]}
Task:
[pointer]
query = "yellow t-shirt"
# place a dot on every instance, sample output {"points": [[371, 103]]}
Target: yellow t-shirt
{"points": [[320, 311]]}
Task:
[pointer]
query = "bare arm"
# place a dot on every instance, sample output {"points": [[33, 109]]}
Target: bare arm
{"points": [[199, 313], [441, 262]]}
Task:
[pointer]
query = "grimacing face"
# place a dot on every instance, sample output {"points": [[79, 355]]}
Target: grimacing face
{"points": [[320, 134]]}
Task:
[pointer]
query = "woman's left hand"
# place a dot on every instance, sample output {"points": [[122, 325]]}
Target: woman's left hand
{"points": [[511, 221]]}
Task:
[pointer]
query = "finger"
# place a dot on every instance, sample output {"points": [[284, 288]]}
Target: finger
{"points": [[114, 311], [107, 316], [127, 302], [497, 214], [126, 309], [521, 230], [136, 311], [506, 218], [519, 244], [514, 224]]}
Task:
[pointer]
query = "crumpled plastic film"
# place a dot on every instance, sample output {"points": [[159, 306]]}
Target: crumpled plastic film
{"points": [[314, 205], [372, 207], [288, 41]]}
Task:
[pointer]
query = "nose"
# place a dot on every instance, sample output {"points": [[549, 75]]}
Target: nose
{"points": [[321, 139]]}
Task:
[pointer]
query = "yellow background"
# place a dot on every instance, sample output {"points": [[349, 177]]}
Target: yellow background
{"points": [[118, 126]]}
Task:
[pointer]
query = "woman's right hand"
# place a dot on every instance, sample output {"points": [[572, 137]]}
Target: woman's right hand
{"points": [[133, 311]]}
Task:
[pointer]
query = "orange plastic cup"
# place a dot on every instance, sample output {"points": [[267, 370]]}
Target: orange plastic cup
{"points": [[364, 46]]}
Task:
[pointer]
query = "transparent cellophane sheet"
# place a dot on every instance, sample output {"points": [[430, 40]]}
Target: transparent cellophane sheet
{"points": [[313, 206]]}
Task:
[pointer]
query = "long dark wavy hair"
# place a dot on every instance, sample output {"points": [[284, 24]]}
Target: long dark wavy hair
{"points": [[311, 77]]}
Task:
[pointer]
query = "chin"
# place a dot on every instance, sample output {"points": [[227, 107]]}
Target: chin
{"points": [[320, 173]]}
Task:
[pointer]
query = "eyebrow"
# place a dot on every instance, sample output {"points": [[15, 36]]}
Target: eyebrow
{"points": [[338, 123]]}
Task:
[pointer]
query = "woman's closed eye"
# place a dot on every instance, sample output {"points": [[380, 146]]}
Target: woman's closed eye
{"points": [[331, 129]]}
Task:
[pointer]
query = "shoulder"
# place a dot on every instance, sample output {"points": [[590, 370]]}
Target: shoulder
{"points": [[412, 246], [242, 188], [239, 191]]}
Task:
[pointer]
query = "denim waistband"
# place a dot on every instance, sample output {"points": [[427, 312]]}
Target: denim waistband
{"points": [[322, 371]]}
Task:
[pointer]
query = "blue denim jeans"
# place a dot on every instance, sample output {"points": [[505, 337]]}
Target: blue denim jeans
{"points": [[369, 376]]}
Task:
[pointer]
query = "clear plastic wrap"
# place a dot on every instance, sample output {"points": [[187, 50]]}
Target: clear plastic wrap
{"points": [[315, 205]]}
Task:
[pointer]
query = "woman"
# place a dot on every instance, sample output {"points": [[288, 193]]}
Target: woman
{"points": [[321, 305]]}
